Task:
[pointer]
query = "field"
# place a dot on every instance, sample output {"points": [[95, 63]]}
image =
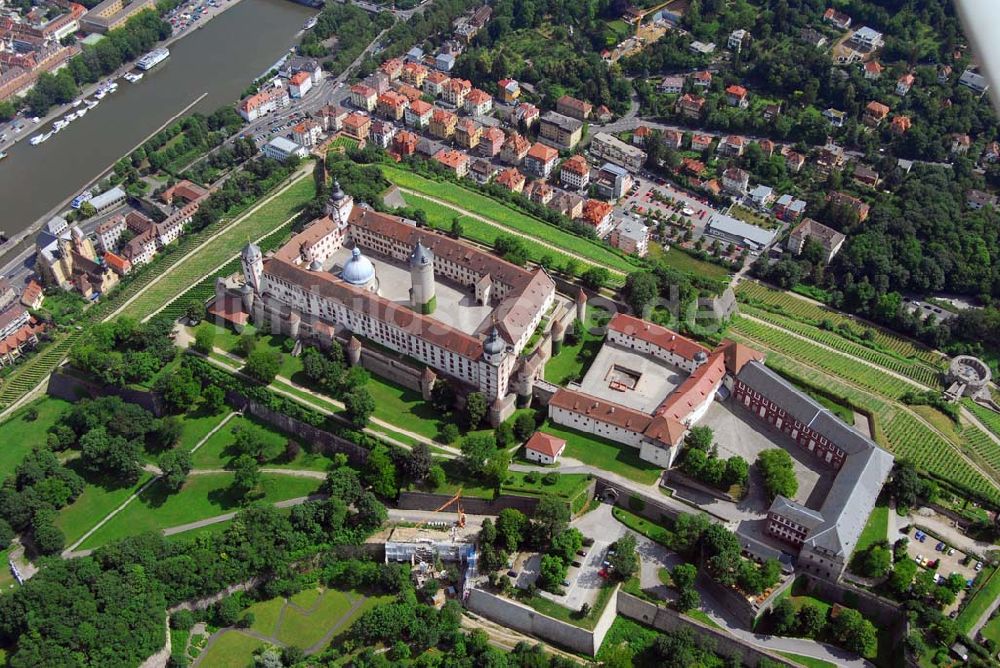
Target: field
{"points": [[986, 590], [806, 311], [991, 630], [20, 434], [201, 497], [223, 248], [510, 218], [476, 230], [989, 419], [681, 261], [232, 649], [573, 359], [595, 451], [568, 486], [876, 530]]}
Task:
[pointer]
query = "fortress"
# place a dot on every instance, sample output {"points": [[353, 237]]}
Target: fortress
{"points": [[462, 312]]}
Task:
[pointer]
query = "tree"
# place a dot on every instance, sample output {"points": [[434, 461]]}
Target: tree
{"points": [[371, 513], [180, 389], [876, 561], [684, 576], [552, 515], [380, 472], [247, 476], [496, 467], [700, 438], [778, 473], [908, 487], [418, 462], [625, 560], [510, 525], [641, 288], [262, 365], [784, 617], [456, 227], [551, 572], [195, 311], [811, 620], [435, 477], [565, 544], [204, 339], [343, 483], [449, 433], [595, 277], [175, 465], [6, 534], [688, 599], [245, 345], [249, 439], [475, 409], [103, 453], [524, 426], [901, 578], [855, 632], [47, 537], [360, 405], [504, 434], [477, 449]]}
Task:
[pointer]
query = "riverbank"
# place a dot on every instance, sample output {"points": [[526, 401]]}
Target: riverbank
{"points": [[31, 129]]}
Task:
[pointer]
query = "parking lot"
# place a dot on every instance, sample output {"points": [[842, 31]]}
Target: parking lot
{"points": [[949, 560], [644, 202]]}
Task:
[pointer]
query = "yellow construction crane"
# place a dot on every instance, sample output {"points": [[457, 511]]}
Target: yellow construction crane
{"points": [[455, 499]]}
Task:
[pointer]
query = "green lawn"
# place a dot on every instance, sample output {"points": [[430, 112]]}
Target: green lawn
{"points": [[196, 426], [991, 630], [876, 529], [224, 247], [404, 408], [266, 615], [982, 595], [208, 530], [506, 216], [595, 451], [20, 434], [305, 629], [201, 497], [808, 661], [641, 525], [218, 451], [232, 649], [556, 611], [99, 498], [574, 359], [681, 261], [702, 617]]}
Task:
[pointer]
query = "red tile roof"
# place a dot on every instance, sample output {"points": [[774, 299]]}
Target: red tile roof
{"points": [[657, 335], [540, 151], [546, 444]]}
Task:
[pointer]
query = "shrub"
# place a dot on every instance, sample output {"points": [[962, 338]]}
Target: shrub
{"points": [[550, 478]]}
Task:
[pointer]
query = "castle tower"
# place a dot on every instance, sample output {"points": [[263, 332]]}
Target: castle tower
{"points": [[247, 296], [422, 297], [558, 334], [252, 261], [581, 306], [354, 351], [494, 347], [339, 205], [496, 413], [525, 385], [427, 380]]}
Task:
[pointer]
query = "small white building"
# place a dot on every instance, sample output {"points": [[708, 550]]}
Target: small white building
{"points": [[282, 149], [544, 448]]}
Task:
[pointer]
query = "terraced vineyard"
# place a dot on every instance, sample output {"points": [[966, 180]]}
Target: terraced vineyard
{"points": [[31, 373], [990, 419], [918, 371], [983, 448], [806, 311], [840, 365]]}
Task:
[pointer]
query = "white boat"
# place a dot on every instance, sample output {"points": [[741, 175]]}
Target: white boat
{"points": [[38, 139], [153, 58], [81, 113], [3, 154], [72, 116], [77, 103], [113, 87], [60, 124], [92, 103], [99, 95], [310, 24]]}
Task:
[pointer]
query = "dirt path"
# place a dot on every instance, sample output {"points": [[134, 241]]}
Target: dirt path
{"points": [[509, 230]]}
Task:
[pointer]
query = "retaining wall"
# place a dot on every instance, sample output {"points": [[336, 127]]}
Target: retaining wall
{"points": [[527, 620], [665, 619], [394, 370], [881, 611], [471, 505], [65, 384], [652, 508]]}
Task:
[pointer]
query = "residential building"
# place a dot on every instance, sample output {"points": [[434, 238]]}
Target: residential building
{"points": [[701, 142], [904, 84], [857, 206], [702, 79], [527, 113], [835, 117], [540, 160], [991, 153], [109, 232], [702, 48], [732, 146], [830, 239], [568, 204], [539, 192], [364, 97], [771, 111], [435, 82], [943, 74], [641, 134], [455, 91], [515, 149], [392, 68], [307, 133], [282, 149], [381, 133], [812, 37], [510, 90], [478, 102], [672, 84], [631, 236], [692, 166], [33, 295], [481, 171], [735, 181], [443, 123], [270, 99], [414, 74], [865, 175], [544, 448], [112, 14], [561, 131], [467, 133], [357, 126], [404, 143], [690, 106], [866, 39], [331, 117], [117, 263], [977, 199], [612, 181], [418, 114], [766, 147], [295, 64], [838, 19], [873, 70], [731, 230], [875, 113], [511, 179], [960, 144], [574, 108], [575, 172], [672, 138], [300, 84], [491, 142], [467, 27], [456, 161], [788, 208], [378, 82], [794, 161], [974, 81], [392, 105], [597, 214], [737, 40], [900, 125], [830, 156], [762, 196], [608, 147]]}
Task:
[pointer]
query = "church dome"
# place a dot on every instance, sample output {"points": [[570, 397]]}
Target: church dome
{"points": [[337, 194], [358, 270]]}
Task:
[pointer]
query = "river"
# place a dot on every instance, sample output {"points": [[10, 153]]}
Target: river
{"points": [[218, 59]]}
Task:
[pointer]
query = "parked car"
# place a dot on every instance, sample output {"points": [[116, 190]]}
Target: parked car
{"points": [[940, 547], [979, 565], [951, 551], [512, 573]]}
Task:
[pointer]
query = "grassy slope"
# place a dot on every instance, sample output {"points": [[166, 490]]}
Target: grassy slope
{"points": [[19, 434]]}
